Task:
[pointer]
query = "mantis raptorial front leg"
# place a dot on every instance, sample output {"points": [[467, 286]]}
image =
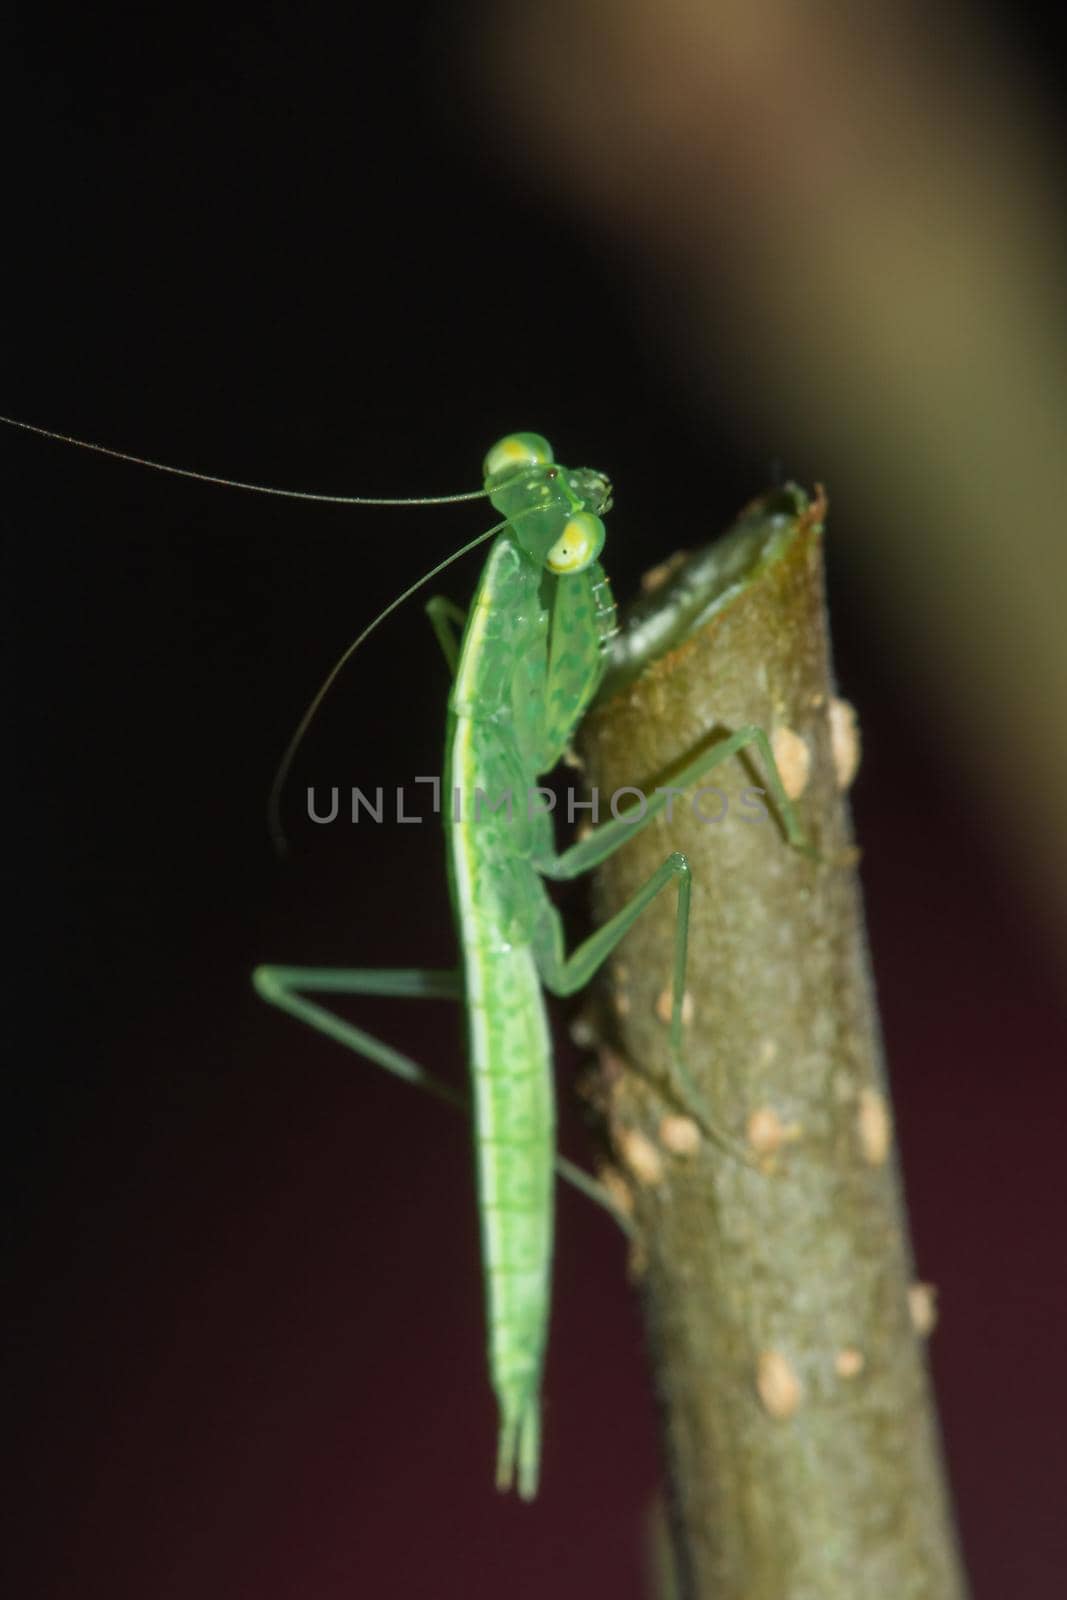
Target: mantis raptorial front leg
{"points": [[448, 621], [287, 988]]}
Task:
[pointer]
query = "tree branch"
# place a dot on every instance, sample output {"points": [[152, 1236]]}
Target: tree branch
{"points": [[801, 1443]]}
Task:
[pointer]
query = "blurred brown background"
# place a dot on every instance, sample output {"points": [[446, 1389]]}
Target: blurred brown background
{"points": [[698, 245]]}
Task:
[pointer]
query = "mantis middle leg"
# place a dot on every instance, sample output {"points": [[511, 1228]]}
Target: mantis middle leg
{"points": [[564, 975]]}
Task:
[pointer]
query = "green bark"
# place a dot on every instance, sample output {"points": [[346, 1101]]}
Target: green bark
{"points": [[801, 1442]]}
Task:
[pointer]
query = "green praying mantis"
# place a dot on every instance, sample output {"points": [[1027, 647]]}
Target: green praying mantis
{"points": [[526, 662]]}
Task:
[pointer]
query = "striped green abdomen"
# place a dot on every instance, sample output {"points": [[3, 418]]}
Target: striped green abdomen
{"points": [[511, 1079]]}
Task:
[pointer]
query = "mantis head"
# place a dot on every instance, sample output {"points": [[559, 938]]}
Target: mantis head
{"points": [[554, 511]]}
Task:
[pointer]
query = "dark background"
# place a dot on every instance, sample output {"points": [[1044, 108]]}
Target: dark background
{"points": [[245, 1337]]}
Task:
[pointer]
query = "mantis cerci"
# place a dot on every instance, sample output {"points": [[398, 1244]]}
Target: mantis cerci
{"points": [[526, 662]]}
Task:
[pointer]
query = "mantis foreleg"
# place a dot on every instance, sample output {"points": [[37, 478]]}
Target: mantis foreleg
{"points": [[448, 621]]}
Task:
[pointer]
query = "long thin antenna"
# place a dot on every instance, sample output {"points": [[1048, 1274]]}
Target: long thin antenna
{"points": [[233, 483], [274, 814]]}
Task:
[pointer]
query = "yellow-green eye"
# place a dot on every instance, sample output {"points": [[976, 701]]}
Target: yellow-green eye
{"points": [[580, 543], [517, 450]]}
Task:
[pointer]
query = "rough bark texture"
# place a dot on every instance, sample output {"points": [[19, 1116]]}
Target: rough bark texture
{"points": [[801, 1442]]}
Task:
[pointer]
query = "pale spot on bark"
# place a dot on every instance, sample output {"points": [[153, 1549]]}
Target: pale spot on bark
{"points": [[665, 1005], [874, 1126], [778, 1386], [679, 1135], [922, 1307], [849, 1363], [640, 1156], [844, 741], [794, 761], [767, 1133]]}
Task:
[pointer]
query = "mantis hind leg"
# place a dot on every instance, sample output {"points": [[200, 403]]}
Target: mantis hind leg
{"points": [[288, 988]]}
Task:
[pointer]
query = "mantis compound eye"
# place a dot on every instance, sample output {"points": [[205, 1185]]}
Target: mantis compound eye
{"points": [[514, 452], [579, 544]]}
